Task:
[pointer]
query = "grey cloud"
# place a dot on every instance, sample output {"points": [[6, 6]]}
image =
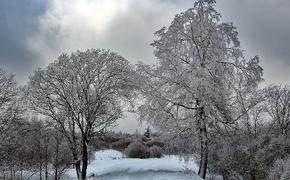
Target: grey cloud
{"points": [[264, 30], [34, 32], [17, 20], [132, 33], [263, 26], [129, 32]]}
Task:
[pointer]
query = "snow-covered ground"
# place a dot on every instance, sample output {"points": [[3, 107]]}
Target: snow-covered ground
{"points": [[111, 164]]}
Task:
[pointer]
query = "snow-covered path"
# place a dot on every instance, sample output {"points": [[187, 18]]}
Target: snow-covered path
{"points": [[149, 176], [111, 164]]}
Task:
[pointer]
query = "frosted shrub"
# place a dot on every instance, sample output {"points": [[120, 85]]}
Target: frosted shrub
{"points": [[121, 144], [137, 150], [280, 170], [155, 152], [154, 143]]}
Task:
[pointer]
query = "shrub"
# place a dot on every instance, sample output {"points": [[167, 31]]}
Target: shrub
{"points": [[155, 152], [137, 150], [280, 170], [121, 144], [154, 143]]}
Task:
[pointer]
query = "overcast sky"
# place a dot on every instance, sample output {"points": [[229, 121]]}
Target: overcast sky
{"points": [[35, 32]]}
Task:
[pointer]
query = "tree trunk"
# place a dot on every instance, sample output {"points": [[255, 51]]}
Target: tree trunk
{"points": [[4, 173], [55, 174], [203, 144], [203, 160], [84, 159], [56, 159], [11, 171], [225, 175], [46, 163], [253, 175], [77, 164], [40, 172], [76, 160], [21, 174]]}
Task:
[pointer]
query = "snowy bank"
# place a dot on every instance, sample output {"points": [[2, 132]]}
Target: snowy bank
{"points": [[111, 161]]}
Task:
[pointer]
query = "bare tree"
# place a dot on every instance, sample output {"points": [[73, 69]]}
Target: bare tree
{"points": [[82, 94], [278, 105], [237, 151], [200, 78], [60, 158], [10, 109]]}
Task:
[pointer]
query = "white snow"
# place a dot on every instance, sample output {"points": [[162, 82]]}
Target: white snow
{"points": [[111, 161]]}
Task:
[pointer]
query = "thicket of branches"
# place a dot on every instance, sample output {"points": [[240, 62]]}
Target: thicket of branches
{"points": [[27, 143]]}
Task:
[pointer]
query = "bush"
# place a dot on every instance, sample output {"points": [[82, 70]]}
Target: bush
{"points": [[154, 143], [280, 170], [121, 144], [137, 150], [155, 152]]}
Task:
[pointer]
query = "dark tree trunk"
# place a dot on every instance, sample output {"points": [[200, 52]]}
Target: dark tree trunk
{"points": [[77, 164], [73, 144], [40, 172], [84, 159], [21, 174], [11, 171], [55, 174], [203, 160], [253, 175], [226, 176], [203, 144], [46, 161], [56, 158]]}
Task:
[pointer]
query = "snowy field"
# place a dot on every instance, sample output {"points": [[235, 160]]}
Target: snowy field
{"points": [[111, 164]]}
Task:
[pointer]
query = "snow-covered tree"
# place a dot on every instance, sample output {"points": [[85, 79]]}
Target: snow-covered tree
{"points": [[147, 133], [251, 149], [11, 122], [278, 106], [10, 105], [239, 151], [81, 93], [200, 80]]}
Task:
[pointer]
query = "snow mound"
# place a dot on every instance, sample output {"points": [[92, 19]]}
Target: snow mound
{"points": [[111, 161], [108, 155]]}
